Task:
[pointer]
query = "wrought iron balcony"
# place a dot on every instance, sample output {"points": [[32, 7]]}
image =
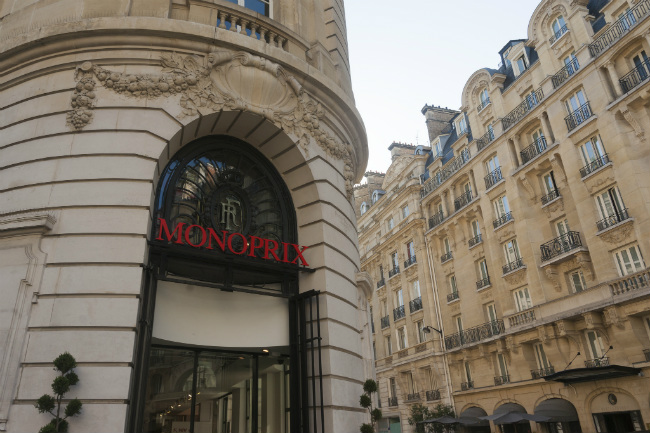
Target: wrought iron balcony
{"points": [[399, 313], [446, 256], [558, 34], [392, 401], [482, 283], [385, 322], [560, 245], [538, 146], [492, 178], [433, 395], [447, 171], [483, 104], [436, 219], [502, 220], [475, 240], [485, 139], [519, 112], [594, 165], [415, 304], [464, 386], [567, 71], [452, 296], [603, 361], [521, 318], [550, 197], [500, 380], [578, 116], [538, 374], [475, 334], [463, 200], [512, 266], [381, 283], [619, 28], [393, 272], [413, 397], [611, 220], [410, 261], [636, 76], [646, 353]]}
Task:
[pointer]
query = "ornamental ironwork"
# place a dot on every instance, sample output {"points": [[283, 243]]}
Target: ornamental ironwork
{"points": [[538, 374], [530, 152], [501, 380], [463, 200], [603, 361], [513, 266], [475, 240], [436, 219], [502, 220], [636, 76], [578, 116], [492, 178], [519, 112], [399, 313], [620, 27], [475, 334], [410, 261], [385, 322], [550, 197], [619, 216], [594, 165], [482, 283], [562, 244], [415, 304], [557, 35], [433, 395], [570, 68]]}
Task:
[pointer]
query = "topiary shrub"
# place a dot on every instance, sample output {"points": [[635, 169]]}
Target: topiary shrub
{"points": [[64, 364]]}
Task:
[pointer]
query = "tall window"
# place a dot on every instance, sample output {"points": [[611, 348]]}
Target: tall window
{"points": [[394, 260], [401, 338], [468, 372], [610, 203], [592, 150], [446, 245], [399, 298], [458, 320], [422, 336], [578, 283], [381, 272], [374, 351], [594, 344], [485, 98], [522, 64], [629, 260], [562, 226], [476, 229], [452, 284], [522, 299], [372, 321], [557, 26], [436, 148], [540, 357], [416, 289], [575, 101], [410, 383], [461, 124], [511, 250], [405, 211], [492, 164], [389, 346], [392, 388], [390, 223], [410, 249], [482, 270], [571, 63], [491, 312], [549, 183], [641, 64], [501, 206], [501, 362]]}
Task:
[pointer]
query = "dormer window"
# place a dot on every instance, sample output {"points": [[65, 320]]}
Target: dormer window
{"points": [[558, 28], [522, 65], [485, 99], [419, 150], [364, 207], [375, 196], [461, 125], [436, 148]]}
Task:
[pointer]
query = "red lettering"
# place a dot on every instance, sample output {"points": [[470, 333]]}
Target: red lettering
{"points": [[285, 252], [178, 232], [255, 245], [299, 255], [230, 244], [220, 241], [188, 233], [272, 250]]}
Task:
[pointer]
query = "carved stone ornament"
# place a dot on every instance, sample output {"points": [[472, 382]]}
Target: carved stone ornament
{"points": [[618, 234], [561, 328], [381, 293], [553, 208], [211, 84], [528, 187], [455, 308], [486, 294], [517, 277], [558, 169], [601, 180], [629, 117], [563, 45], [551, 273], [505, 234], [611, 317], [542, 335], [510, 344], [589, 319], [411, 272], [545, 14]]}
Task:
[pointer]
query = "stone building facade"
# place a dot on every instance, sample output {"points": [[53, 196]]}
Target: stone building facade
{"points": [[534, 210], [138, 136]]}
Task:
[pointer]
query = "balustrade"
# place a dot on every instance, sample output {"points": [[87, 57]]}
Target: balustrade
{"points": [[521, 318], [447, 171], [410, 261], [482, 283], [550, 197], [385, 322], [452, 296], [603, 361], [433, 395], [393, 272], [475, 240], [628, 283], [447, 256], [485, 139], [436, 219]]}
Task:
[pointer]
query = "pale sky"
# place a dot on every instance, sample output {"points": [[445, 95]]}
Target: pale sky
{"points": [[407, 54]]}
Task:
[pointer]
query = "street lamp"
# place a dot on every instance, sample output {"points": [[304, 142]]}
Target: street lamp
{"points": [[428, 329]]}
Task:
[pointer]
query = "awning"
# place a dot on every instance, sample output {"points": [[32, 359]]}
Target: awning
{"points": [[445, 419], [471, 416], [592, 374], [559, 410], [516, 417], [505, 409]]}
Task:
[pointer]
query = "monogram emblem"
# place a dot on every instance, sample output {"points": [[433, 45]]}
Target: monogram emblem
{"points": [[231, 214]]}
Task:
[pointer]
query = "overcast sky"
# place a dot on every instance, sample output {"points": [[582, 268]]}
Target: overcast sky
{"points": [[407, 54]]}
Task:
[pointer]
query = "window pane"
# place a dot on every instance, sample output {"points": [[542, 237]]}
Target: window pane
{"points": [[258, 6]]}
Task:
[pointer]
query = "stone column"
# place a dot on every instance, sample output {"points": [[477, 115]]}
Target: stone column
{"points": [[618, 90]]}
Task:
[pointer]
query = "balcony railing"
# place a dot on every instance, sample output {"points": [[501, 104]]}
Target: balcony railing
{"points": [[475, 240], [410, 261], [392, 401], [521, 318], [475, 334], [433, 395], [563, 74], [558, 34], [485, 139], [619, 28], [464, 386], [482, 283], [413, 397], [594, 165], [512, 266], [492, 178], [393, 272], [447, 171], [603, 361], [646, 353], [385, 322], [446, 256], [415, 304], [628, 283], [550, 197], [436, 219], [538, 374], [560, 245], [463, 200], [519, 112], [502, 220], [578, 116], [636, 76], [399, 313], [483, 104], [619, 216], [500, 380], [537, 147], [381, 283], [452, 296]]}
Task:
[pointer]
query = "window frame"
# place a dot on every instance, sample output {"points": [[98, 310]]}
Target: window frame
{"points": [[634, 248], [581, 278], [523, 300], [595, 146], [405, 211]]}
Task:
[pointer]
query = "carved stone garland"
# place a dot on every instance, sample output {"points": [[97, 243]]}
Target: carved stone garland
{"points": [[203, 85]]}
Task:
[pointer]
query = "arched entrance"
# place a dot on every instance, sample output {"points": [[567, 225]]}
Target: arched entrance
{"points": [[471, 423], [505, 424], [564, 417], [225, 335]]}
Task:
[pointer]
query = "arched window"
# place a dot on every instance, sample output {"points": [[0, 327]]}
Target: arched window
{"points": [[375, 196], [485, 99], [558, 28], [364, 207]]}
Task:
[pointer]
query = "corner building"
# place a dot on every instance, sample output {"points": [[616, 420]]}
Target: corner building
{"points": [[176, 212], [536, 205]]}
